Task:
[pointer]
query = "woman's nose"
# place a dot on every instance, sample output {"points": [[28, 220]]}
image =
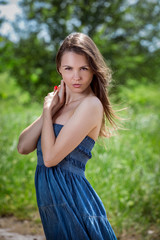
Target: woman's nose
{"points": [[76, 75]]}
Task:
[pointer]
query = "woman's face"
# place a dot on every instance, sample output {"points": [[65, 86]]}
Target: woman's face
{"points": [[76, 71]]}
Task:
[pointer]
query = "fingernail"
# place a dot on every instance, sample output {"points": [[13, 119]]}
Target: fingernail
{"points": [[55, 88]]}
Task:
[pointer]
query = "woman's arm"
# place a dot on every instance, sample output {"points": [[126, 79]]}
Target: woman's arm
{"points": [[86, 117], [29, 137]]}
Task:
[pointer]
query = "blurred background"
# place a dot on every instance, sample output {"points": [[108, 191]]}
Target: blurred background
{"points": [[125, 171]]}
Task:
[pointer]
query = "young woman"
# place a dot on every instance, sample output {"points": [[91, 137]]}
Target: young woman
{"points": [[73, 117]]}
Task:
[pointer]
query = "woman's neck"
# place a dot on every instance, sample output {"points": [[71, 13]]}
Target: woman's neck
{"points": [[73, 97]]}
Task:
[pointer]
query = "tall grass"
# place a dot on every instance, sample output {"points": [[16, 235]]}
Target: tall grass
{"points": [[124, 170]]}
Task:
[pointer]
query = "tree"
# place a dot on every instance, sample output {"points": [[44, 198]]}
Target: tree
{"points": [[124, 32], [34, 67], [6, 46]]}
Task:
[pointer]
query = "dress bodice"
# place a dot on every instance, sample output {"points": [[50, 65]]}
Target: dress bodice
{"points": [[76, 160]]}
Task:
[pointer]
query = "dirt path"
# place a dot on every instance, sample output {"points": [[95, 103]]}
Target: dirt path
{"points": [[13, 229]]}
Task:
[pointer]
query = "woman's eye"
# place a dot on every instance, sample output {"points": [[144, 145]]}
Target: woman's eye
{"points": [[84, 68], [68, 68]]}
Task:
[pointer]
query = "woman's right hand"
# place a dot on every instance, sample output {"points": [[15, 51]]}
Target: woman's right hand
{"points": [[54, 100]]}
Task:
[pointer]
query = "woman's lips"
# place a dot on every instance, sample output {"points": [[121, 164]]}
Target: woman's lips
{"points": [[76, 85]]}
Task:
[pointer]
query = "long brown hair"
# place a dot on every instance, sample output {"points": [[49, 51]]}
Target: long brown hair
{"points": [[83, 44]]}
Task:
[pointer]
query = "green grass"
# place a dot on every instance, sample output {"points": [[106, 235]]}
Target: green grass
{"points": [[127, 174], [124, 170], [17, 193]]}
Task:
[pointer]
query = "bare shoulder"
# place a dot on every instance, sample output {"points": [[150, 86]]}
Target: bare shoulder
{"points": [[92, 103], [90, 109]]}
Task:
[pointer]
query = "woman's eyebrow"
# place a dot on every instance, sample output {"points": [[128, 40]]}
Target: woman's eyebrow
{"points": [[71, 66], [66, 66]]}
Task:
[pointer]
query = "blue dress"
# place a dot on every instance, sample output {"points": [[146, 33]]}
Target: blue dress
{"points": [[69, 207]]}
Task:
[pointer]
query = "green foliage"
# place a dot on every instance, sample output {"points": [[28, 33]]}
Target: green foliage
{"points": [[138, 94], [34, 67], [125, 172], [16, 180], [6, 54], [127, 34]]}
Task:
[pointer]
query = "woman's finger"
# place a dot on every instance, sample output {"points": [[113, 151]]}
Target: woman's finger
{"points": [[61, 88], [62, 92]]}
